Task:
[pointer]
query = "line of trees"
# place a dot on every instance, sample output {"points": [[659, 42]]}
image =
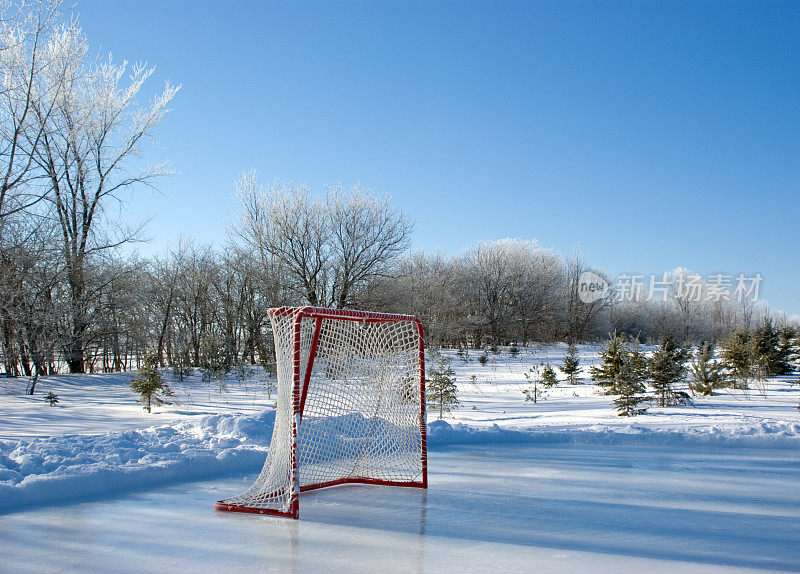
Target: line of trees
{"points": [[195, 302], [514, 291]]}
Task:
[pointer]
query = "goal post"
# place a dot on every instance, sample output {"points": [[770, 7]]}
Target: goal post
{"points": [[350, 406]]}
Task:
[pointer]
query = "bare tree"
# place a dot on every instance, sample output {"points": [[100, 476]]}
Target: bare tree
{"points": [[367, 234], [488, 277], [285, 226], [328, 245], [536, 277], [89, 139], [579, 314]]}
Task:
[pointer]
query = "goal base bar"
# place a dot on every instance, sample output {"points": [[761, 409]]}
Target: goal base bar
{"points": [[224, 506], [220, 505]]}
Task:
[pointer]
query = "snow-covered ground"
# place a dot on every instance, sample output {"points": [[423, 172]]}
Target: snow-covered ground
{"points": [[99, 439], [99, 442]]}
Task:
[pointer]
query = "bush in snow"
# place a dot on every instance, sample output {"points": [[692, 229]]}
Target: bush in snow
{"points": [[51, 399]]}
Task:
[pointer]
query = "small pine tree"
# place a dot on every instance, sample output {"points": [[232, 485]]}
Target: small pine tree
{"points": [[630, 384], [483, 359], [666, 368], [534, 393], [571, 362], [613, 354], [148, 384], [441, 388], [739, 358], [549, 378], [706, 373], [786, 349], [51, 399], [771, 354], [514, 351]]}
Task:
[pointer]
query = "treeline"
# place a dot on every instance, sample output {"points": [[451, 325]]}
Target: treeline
{"points": [[514, 291], [196, 302]]}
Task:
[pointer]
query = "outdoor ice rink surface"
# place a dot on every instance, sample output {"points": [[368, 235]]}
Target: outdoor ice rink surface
{"points": [[489, 508]]}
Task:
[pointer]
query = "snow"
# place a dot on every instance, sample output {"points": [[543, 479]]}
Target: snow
{"points": [[68, 466], [729, 464], [99, 440]]}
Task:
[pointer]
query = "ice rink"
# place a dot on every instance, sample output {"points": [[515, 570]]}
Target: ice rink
{"points": [[489, 508]]}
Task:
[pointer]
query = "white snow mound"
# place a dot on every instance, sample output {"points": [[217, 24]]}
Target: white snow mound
{"points": [[65, 467], [46, 470]]}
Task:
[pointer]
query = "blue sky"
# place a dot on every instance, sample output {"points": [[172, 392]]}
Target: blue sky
{"points": [[654, 135]]}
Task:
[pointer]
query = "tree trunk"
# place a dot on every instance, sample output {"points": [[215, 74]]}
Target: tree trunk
{"points": [[74, 351], [162, 333], [32, 384]]}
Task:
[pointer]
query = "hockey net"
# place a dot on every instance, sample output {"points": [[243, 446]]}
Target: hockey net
{"points": [[350, 406]]}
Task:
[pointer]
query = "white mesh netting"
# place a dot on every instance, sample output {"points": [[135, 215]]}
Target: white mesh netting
{"points": [[361, 417]]}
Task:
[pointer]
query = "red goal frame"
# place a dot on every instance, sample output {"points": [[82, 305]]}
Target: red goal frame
{"points": [[300, 390]]}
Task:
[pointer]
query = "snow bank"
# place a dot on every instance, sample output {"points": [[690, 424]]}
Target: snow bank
{"points": [[63, 467], [755, 435], [47, 470]]}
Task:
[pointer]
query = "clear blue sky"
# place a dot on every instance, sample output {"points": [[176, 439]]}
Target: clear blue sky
{"points": [[654, 135]]}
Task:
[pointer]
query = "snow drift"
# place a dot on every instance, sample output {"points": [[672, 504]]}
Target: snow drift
{"points": [[66, 467]]}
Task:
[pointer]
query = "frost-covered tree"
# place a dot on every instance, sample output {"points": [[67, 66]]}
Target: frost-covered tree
{"points": [[26, 57], [571, 363], [328, 245], [579, 316], [92, 135]]}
